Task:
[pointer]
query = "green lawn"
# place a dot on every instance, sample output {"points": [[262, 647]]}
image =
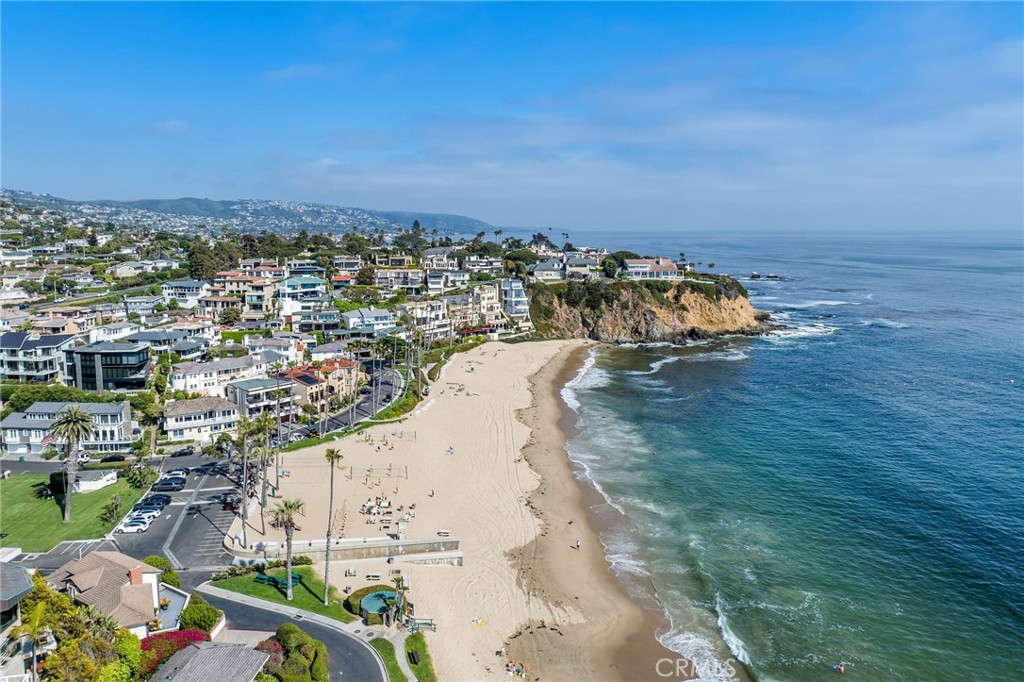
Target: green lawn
{"points": [[307, 595], [37, 525], [425, 670], [387, 651]]}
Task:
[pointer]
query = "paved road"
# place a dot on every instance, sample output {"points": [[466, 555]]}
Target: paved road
{"points": [[350, 660], [388, 384]]}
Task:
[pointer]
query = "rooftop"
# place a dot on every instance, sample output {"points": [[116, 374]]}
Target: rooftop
{"points": [[197, 406]]}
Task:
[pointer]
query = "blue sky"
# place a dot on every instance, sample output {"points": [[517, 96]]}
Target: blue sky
{"points": [[666, 116]]}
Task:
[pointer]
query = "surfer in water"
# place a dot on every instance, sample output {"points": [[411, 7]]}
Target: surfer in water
{"points": [[839, 667]]}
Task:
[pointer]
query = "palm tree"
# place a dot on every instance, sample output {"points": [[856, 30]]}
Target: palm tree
{"points": [[400, 590], [284, 515], [245, 428], [332, 456], [35, 628], [72, 425], [264, 423]]}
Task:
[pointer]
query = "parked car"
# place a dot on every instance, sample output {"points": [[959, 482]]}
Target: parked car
{"points": [[113, 458], [148, 513], [83, 458], [295, 437], [162, 500], [140, 506], [173, 477], [181, 472], [134, 526], [171, 485], [183, 452]]}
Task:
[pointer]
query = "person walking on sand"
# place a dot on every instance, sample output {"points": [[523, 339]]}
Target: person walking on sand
{"points": [[577, 545]]}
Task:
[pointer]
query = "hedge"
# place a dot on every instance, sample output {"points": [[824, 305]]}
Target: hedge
{"points": [[291, 637], [320, 671], [352, 600], [235, 571], [169, 575], [200, 616]]}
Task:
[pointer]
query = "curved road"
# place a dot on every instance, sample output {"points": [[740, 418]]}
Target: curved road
{"points": [[350, 659]]}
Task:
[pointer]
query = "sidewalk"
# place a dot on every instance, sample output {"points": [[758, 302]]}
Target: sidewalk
{"points": [[348, 629]]}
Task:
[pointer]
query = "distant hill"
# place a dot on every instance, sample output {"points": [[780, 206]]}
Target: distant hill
{"points": [[250, 214]]}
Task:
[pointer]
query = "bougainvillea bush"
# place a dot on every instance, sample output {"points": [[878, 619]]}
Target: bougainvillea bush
{"points": [[156, 649]]}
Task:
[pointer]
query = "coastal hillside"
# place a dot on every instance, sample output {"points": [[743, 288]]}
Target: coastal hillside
{"points": [[645, 312]]}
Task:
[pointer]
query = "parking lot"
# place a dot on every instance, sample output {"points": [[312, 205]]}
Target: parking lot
{"points": [[191, 529]]}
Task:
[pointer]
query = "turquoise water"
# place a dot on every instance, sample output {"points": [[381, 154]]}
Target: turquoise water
{"points": [[376, 602], [849, 488]]}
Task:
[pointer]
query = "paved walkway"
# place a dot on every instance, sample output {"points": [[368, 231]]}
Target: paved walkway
{"points": [[396, 636]]}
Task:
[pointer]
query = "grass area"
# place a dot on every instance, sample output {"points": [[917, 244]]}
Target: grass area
{"points": [[424, 671], [387, 651], [307, 595], [37, 525], [310, 442]]}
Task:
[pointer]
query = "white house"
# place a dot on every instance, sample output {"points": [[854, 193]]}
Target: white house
{"points": [[210, 378], [651, 268], [113, 331], [28, 432], [376, 319], [185, 292], [201, 420]]}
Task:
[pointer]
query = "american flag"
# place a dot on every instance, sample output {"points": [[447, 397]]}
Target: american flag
{"points": [[48, 439]]}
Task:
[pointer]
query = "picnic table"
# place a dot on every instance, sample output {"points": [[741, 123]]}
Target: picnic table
{"points": [[264, 579]]}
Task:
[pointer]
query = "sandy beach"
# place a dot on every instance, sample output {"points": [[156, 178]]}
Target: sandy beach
{"points": [[484, 460]]}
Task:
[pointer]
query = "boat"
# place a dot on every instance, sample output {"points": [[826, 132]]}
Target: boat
{"points": [[754, 275]]}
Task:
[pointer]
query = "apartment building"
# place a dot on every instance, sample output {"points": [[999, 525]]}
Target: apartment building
{"points": [[211, 378], [408, 281], [514, 301], [253, 397], [347, 265], [302, 293], [34, 358], [430, 318]]}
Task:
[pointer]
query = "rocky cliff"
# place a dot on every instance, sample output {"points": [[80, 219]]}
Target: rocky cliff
{"points": [[633, 312]]}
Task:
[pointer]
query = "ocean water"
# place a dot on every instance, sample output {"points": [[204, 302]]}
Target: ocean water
{"points": [[848, 489]]}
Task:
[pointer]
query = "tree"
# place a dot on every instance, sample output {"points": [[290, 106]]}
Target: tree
{"points": [[284, 516], [72, 425], [610, 267], [35, 627], [332, 456], [229, 316], [365, 276], [173, 304], [169, 575]]}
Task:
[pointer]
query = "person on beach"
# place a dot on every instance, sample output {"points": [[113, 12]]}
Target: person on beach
{"points": [[577, 545]]}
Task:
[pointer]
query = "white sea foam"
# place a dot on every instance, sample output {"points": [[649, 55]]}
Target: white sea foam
{"points": [[883, 322], [800, 332], [730, 355], [655, 366], [734, 643], [817, 304], [587, 377], [701, 652]]}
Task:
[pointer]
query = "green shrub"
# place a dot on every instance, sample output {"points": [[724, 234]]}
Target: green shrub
{"points": [[169, 575], [200, 616], [115, 671], [294, 669], [129, 650], [320, 671], [291, 637], [265, 677]]}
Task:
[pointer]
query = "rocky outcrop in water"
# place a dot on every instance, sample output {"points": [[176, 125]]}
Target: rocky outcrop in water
{"points": [[648, 312]]}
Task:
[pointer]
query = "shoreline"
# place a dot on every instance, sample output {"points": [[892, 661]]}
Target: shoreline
{"points": [[618, 639]]}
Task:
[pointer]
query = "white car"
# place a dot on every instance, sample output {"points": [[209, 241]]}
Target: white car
{"points": [[294, 438], [176, 473], [84, 459], [145, 514], [134, 526]]}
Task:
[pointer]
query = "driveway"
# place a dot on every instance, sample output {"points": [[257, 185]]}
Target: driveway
{"points": [[350, 658]]}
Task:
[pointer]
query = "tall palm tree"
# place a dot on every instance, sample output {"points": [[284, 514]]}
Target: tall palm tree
{"points": [[72, 425], [332, 456], [284, 515], [264, 424], [35, 628], [245, 430]]}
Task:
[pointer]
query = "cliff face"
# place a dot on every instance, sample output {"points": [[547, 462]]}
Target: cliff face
{"points": [[630, 312]]}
